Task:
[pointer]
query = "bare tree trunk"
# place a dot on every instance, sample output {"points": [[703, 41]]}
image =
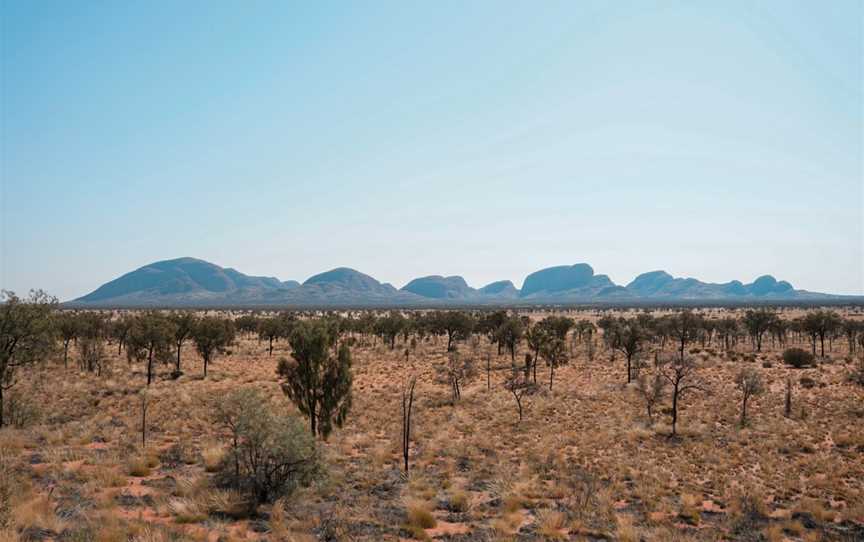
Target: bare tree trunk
{"points": [[407, 406], [488, 373], [143, 422], [675, 410]]}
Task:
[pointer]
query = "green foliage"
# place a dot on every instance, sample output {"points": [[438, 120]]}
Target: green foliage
{"points": [[390, 326], [270, 452], [150, 339], [182, 324], [510, 334], [26, 334], [315, 380], [212, 336], [797, 358], [758, 322], [457, 325]]}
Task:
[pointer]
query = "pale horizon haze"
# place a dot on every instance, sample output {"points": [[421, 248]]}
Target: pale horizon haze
{"points": [[484, 139]]}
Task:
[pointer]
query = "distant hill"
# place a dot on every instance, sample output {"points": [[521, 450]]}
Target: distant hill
{"points": [[502, 289], [438, 287], [190, 282], [182, 281], [660, 284], [566, 282]]}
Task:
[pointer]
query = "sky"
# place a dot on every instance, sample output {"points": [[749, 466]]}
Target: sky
{"points": [[716, 140]]}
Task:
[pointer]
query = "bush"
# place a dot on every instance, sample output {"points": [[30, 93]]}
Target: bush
{"points": [[797, 358], [270, 452], [21, 412]]}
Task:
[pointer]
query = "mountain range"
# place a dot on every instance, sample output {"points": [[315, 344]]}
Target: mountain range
{"points": [[190, 282]]}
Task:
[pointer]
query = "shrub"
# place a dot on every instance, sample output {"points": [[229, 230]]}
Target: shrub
{"points": [[419, 515], [22, 412], [270, 453], [137, 467], [458, 502], [798, 358], [807, 382]]}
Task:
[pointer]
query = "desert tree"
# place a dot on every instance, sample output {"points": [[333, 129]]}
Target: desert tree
{"points": [[315, 380], [488, 371], [651, 389], [554, 352], [457, 325], [820, 324], [510, 335], [26, 334], [684, 328], [183, 325], [270, 329], [779, 329], [750, 384], [727, 329], [246, 324], [389, 327], [519, 385], [455, 371], [490, 324], [557, 326], [119, 330], [66, 324], [629, 338], [150, 338], [212, 336], [535, 337], [585, 330], [757, 323], [145, 405], [92, 331], [852, 329], [681, 373], [407, 409]]}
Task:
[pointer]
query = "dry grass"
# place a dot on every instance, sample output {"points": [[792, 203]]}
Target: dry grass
{"points": [[419, 514], [213, 456]]}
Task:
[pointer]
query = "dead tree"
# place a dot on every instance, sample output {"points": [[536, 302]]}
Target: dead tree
{"points": [[651, 391], [407, 406], [456, 371], [144, 406], [519, 385], [750, 384], [680, 372]]}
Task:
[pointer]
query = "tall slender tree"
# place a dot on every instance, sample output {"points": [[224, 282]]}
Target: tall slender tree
{"points": [[315, 380]]}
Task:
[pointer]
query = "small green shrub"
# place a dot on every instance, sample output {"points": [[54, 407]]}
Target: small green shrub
{"points": [[270, 453], [798, 358]]}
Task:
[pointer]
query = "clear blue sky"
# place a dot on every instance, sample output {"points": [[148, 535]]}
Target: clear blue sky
{"points": [[720, 140]]}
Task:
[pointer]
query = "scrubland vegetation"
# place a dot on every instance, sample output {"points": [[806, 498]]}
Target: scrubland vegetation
{"points": [[712, 424]]}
